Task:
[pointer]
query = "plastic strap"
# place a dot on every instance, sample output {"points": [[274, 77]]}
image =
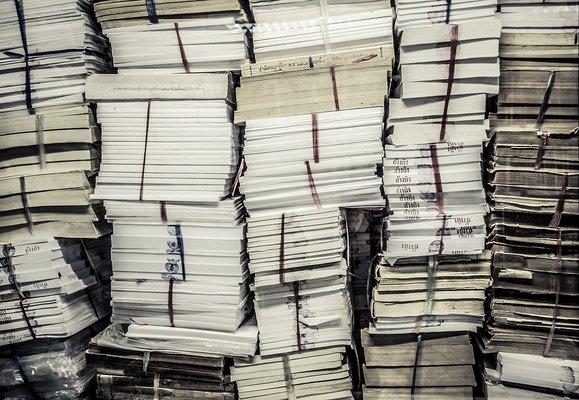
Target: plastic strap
{"points": [[90, 263], [40, 140], [170, 302], [437, 178], [430, 285], [335, 88], [315, 138], [556, 220], [442, 232], [6, 262], [184, 60], [324, 25], [27, 383], [26, 319], [22, 24], [163, 211], [288, 377], [240, 169], [146, 359], [551, 335], [296, 288], [156, 384], [312, 184], [152, 11], [415, 368], [449, 82], [344, 214], [181, 245], [25, 206], [545, 102], [448, 10], [282, 250], [544, 137], [144, 163]]}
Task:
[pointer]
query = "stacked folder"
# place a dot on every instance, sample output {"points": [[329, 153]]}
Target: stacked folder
{"points": [[317, 374], [533, 189]]}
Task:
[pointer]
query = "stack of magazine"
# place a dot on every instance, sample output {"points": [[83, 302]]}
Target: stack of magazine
{"points": [[533, 166]]}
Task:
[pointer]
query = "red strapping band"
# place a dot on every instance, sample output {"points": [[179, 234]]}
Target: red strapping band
{"points": [[296, 288], [541, 151], [335, 88], [312, 184], [163, 209], [449, 82], [170, 302], [315, 138], [556, 220], [238, 174], [182, 50], [145, 151], [437, 180], [282, 250], [442, 230], [557, 290]]}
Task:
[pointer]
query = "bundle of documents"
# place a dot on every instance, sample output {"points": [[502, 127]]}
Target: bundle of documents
{"points": [[299, 280], [46, 52], [534, 183], [287, 29], [495, 391], [311, 161], [123, 373], [51, 290], [120, 13], [47, 369], [439, 295], [314, 374], [411, 366]]}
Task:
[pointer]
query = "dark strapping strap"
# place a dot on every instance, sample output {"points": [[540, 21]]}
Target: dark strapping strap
{"points": [[26, 381], [170, 302], [152, 11], [437, 178], [335, 88], [184, 60], [545, 102], [442, 232], [92, 304], [312, 184], [551, 335], [544, 141], [315, 138], [25, 205], [450, 80], [181, 245], [282, 250], [296, 288], [415, 368], [22, 24], [26, 319], [556, 220], [8, 251], [144, 163], [288, 377], [163, 211], [89, 260], [40, 140], [448, 10]]}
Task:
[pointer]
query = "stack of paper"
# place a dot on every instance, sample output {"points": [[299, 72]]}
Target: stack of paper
{"points": [[287, 29], [444, 295], [534, 183], [125, 371], [51, 290], [299, 280], [418, 367], [316, 374], [311, 161], [47, 369]]}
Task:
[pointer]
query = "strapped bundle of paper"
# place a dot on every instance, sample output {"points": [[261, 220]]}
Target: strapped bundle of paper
{"points": [[123, 373], [47, 369], [50, 289], [444, 295], [299, 280], [286, 29], [424, 366], [317, 374], [311, 161], [410, 13], [494, 391]]}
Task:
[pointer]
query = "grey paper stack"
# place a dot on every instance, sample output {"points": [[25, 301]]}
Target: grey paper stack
{"points": [[533, 188]]}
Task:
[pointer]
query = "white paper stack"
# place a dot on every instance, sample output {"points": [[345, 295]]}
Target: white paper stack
{"points": [[50, 290], [313, 161], [286, 29], [299, 280], [316, 374]]}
